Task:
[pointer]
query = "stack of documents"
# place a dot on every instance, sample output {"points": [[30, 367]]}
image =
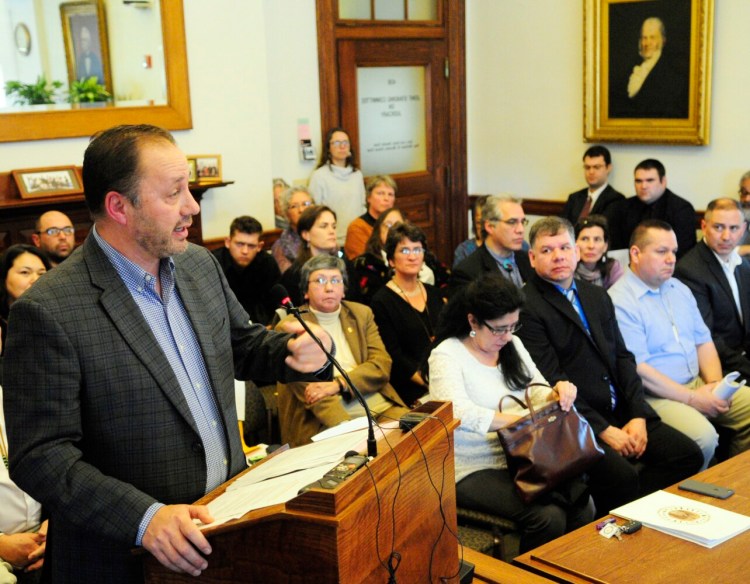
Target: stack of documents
{"points": [[685, 518]]}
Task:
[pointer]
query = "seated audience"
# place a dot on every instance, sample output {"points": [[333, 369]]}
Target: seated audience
{"points": [[337, 182], [280, 220], [371, 270], [653, 200], [294, 201], [20, 267], [306, 408], [676, 357], [719, 279], [407, 311], [22, 531], [598, 197], [503, 229], [250, 272], [476, 362], [381, 196], [469, 246], [55, 236], [317, 229], [592, 241], [570, 330]]}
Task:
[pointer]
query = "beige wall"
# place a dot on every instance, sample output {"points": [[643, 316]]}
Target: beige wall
{"points": [[253, 74]]}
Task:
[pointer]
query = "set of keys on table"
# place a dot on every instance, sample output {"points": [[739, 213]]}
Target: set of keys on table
{"points": [[608, 528]]}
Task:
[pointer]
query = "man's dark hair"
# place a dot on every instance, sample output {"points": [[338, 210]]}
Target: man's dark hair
{"points": [[596, 151], [112, 163], [652, 163], [245, 224], [639, 237]]}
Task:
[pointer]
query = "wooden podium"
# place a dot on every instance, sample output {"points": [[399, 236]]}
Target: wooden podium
{"points": [[338, 535]]}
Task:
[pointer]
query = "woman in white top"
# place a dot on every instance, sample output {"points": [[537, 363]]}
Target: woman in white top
{"points": [[337, 182], [476, 362]]}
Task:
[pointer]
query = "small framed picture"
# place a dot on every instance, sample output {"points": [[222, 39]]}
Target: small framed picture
{"points": [[207, 167], [193, 170], [47, 182]]}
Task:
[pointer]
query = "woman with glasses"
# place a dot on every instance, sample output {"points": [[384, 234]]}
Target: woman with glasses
{"points": [[476, 361], [407, 310], [337, 182], [294, 201], [592, 241], [306, 408], [371, 270], [381, 196]]}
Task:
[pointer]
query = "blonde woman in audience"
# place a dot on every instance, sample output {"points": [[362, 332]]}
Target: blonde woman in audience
{"points": [[592, 241], [337, 182], [407, 310], [306, 408], [381, 196], [294, 201]]}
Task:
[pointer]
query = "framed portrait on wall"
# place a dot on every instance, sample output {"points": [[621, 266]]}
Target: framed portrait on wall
{"points": [[84, 28], [647, 71], [47, 182]]}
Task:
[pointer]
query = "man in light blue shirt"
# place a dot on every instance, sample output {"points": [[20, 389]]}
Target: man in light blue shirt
{"points": [[676, 358]]}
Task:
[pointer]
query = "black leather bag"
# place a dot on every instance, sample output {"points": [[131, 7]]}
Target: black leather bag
{"points": [[547, 447]]}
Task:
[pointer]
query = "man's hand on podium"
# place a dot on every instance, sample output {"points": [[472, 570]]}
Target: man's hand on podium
{"points": [[174, 539]]}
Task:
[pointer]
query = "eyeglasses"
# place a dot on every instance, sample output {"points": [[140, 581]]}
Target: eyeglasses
{"points": [[339, 143], [744, 192], [300, 205], [502, 330], [52, 231], [513, 222], [417, 251], [323, 281]]}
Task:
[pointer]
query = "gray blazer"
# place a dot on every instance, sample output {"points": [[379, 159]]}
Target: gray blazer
{"points": [[98, 426]]}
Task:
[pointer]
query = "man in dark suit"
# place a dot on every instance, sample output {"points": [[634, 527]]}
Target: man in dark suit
{"points": [[119, 372], [720, 281], [599, 197], [656, 88], [653, 200], [578, 341], [503, 225]]}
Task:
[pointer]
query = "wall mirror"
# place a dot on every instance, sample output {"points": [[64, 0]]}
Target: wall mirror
{"points": [[145, 69]]}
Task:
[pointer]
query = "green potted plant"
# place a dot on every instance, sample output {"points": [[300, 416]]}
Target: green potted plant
{"points": [[87, 90], [40, 92]]}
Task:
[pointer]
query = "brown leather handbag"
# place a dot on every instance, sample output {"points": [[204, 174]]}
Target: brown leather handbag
{"points": [[547, 447]]}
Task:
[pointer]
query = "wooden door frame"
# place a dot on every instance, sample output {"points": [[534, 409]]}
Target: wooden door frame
{"points": [[452, 29]]}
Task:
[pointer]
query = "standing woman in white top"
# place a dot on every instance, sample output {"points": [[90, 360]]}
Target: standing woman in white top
{"points": [[476, 362], [337, 182]]}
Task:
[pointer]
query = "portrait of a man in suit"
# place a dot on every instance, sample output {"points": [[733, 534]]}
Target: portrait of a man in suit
{"points": [[655, 82]]}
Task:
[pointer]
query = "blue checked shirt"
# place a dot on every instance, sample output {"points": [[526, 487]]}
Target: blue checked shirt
{"points": [[169, 322]]}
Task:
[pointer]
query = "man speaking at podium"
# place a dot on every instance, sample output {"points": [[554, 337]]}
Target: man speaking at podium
{"points": [[119, 372]]}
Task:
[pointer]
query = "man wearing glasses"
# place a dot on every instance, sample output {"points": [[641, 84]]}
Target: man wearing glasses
{"points": [[571, 333], [598, 198], [55, 236], [504, 225]]}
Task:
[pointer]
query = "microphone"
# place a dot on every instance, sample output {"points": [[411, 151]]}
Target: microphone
{"points": [[280, 294]]}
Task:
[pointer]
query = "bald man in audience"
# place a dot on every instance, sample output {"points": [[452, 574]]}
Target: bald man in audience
{"points": [[55, 236]]}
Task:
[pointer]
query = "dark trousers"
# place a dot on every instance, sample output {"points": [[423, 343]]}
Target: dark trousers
{"points": [[492, 491], [670, 456]]}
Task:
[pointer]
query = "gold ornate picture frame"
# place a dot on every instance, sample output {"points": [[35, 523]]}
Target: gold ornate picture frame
{"points": [[53, 181], [642, 90]]}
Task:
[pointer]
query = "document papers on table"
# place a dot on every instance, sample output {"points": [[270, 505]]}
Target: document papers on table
{"points": [[685, 518], [280, 478]]}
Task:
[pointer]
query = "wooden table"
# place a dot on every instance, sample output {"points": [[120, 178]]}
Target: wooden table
{"points": [[489, 570], [649, 555]]}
